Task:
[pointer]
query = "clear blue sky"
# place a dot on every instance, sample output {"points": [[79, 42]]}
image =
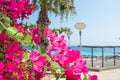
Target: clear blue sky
{"points": [[102, 19]]}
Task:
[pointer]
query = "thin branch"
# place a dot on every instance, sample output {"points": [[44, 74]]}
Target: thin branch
{"points": [[3, 25]]}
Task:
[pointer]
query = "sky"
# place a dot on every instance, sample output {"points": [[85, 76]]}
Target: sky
{"points": [[102, 19]]}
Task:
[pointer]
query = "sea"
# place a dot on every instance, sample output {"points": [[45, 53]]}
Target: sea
{"points": [[97, 51]]}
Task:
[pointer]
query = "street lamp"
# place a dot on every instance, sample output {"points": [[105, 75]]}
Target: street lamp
{"points": [[80, 26], [68, 35]]}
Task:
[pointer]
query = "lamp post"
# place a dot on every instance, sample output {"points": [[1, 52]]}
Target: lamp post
{"points": [[80, 26], [68, 35]]}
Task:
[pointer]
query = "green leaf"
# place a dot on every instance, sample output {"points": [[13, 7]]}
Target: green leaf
{"points": [[47, 57], [25, 57], [54, 66], [2, 56], [11, 31], [31, 44], [57, 76], [18, 37], [45, 68], [39, 49], [85, 77], [1, 29], [1, 15], [7, 20], [27, 39], [7, 25]]}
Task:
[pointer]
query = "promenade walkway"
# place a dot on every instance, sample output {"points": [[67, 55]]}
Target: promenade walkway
{"points": [[112, 74]]}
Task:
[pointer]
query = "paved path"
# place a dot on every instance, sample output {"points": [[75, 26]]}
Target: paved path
{"points": [[108, 74], [112, 74]]}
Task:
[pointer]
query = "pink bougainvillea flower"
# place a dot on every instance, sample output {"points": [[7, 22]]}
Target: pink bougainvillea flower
{"points": [[70, 75], [93, 77], [21, 6], [36, 39], [19, 28], [3, 38], [61, 59], [73, 55], [2, 78], [10, 67], [13, 6], [17, 8], [35, 30], [79, 66], [39, 64], [14, 52], [47, 32], [34, 56], [1, 68]]}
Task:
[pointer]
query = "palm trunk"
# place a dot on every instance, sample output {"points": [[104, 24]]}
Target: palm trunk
{"points": [[43, 21]]}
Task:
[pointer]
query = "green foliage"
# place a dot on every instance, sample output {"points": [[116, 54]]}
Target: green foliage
{"points": [[25, 57], [11, 31], [58, 7], [7, 20], [4, 22], [27, 39], [1, 56], [38, 49], [7, 25], [55, 66], [45, 68], [1, 15], [18, 37], [1, 29], [56, 30], [85, 77]]}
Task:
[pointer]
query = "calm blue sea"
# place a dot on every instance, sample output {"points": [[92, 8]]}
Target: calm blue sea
{"points": [[87, 51]]}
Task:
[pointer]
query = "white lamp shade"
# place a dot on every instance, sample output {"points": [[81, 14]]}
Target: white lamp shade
{"points": [[80, 25]]}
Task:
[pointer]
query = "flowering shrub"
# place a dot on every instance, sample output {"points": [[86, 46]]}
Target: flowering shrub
{"points": [[20, 54], [17, 8]]}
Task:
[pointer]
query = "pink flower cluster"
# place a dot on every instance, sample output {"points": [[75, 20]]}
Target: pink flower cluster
{"points": [[19, 28], [56, 42], [13, 52], [20, 63], [73, 62], [2, 66], [35, 34], [31, 30], [93, 77], [17, 8], [38, 62], [70, 59], [14, 68], [3, 38]]}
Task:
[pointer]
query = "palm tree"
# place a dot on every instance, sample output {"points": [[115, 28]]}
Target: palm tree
{"points": [[68, 32], [59, 7]]}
